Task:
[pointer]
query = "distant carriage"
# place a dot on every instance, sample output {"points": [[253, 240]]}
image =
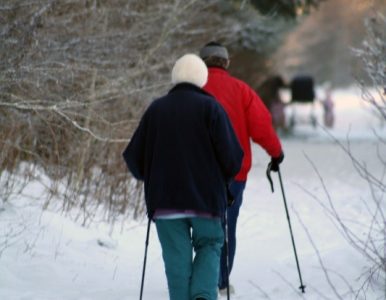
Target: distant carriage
{"points": [[302, 93]]}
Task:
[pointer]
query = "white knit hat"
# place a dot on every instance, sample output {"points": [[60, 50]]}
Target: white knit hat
{"points": [[191, 69]]}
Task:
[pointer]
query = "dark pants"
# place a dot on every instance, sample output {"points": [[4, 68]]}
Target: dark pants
{"points": [[236, 189]]}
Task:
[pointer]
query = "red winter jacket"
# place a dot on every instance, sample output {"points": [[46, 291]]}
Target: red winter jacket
{"points": [[248, 114]]}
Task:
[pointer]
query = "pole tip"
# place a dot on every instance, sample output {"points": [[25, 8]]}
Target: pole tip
{"points": [[302, 288]]}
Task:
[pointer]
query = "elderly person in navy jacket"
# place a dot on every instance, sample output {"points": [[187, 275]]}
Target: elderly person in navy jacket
{"points": [[185, 151]]}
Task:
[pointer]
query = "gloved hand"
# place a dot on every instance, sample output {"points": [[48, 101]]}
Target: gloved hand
{"points": [[276, 161]]}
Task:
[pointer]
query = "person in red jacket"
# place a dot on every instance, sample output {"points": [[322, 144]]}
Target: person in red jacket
{"points": [[251, 120]]}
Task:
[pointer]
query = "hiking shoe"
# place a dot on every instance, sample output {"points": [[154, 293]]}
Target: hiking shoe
{"points": [[223, 292]]}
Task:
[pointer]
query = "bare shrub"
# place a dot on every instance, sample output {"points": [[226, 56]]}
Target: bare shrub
{"points": [[367, 238], [373, 246], [75, 77]]}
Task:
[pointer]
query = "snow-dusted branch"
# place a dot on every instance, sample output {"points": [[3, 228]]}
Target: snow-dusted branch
{"points": [[75, 78], [87, 130], [367, 237]]}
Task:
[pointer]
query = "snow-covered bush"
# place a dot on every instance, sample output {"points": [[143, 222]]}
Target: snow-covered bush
{"points": [[373, 246], [75, 77], [373, 57], [369, 238]]}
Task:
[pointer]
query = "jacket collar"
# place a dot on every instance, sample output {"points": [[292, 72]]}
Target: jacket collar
{"points": [[217, 70], [187, 87]]}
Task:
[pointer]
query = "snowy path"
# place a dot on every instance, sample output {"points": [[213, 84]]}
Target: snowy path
{"points": [[44, 256]]}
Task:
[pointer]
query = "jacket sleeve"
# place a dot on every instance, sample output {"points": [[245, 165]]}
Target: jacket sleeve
{"points": [[259, 123], [226, 145], [134, 154]]}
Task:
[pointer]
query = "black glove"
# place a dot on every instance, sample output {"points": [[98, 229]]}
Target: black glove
{"points": [[276, 161]]}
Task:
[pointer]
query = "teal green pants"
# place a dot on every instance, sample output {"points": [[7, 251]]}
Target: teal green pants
{"points": [[191, 278]]}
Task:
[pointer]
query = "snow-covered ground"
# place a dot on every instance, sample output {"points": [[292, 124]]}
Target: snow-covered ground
{"points": [[45, 256]]}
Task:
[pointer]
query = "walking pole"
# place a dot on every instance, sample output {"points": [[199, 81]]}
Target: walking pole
{"points": [[230, 201], [302, 286], [227, 251], [145, 257]]}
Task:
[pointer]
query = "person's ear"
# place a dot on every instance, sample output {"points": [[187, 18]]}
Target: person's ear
{"points": [[228, 63]]}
